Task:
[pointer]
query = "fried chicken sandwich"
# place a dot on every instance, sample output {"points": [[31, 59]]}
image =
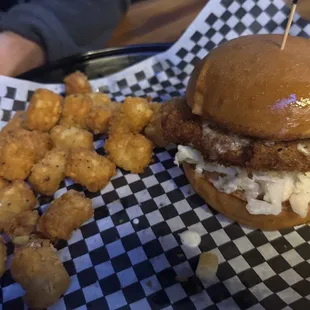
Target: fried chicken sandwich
{"points": [[243, 130]]}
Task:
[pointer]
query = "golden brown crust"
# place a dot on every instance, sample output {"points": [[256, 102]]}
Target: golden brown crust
{"points": [[89, 169], [182, 127], [67, 138], [47, 174], [21, 226], [39, 271], [77, 83], [64, 215], [75, 111], [44, 110], [14, 199], [234, 208], [251, 87], [15, 123], [154, 131], [3, 257]]}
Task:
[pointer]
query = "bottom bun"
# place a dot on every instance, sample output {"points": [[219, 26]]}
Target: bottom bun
{"points": [[235, 208]]}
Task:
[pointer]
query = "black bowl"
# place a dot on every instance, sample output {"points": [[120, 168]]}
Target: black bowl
{"points": [[95, 64]]}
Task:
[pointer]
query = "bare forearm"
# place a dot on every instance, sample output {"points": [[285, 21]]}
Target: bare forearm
{"points": [[18, 55]]}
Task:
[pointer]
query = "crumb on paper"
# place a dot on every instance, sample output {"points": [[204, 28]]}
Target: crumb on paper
{"points": [[207, 266], [181, 279], [135, 221], [190, 238], [149, 284]]}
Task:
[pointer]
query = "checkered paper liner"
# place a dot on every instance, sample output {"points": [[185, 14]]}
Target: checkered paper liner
{"points": [[117, 264]]}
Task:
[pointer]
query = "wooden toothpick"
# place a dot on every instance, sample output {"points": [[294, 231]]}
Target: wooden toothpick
{"points": [[289, 23]]}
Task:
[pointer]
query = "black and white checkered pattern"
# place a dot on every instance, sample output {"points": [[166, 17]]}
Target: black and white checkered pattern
{"points": [[117, 264]]}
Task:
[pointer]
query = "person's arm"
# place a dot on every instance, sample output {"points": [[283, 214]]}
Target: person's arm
{"points": [[60, 27], [18, 54]]}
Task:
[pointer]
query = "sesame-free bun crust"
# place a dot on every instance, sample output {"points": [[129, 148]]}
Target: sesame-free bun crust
{"points": [[251, 87], [235, 208]]}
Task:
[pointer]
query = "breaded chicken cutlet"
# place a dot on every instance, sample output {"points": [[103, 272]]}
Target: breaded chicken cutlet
{"points": [[182, 127]]}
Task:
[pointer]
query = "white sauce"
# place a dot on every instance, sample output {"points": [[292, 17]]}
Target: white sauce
{"points": [[264, 191], [224, 143], [136, 221], [190, 238], [302, 148]]}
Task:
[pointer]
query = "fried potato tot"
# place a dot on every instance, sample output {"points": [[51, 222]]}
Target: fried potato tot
{"points": [[20, 227], [3, 256], [137, 112], [102, 110], [154, 131], [17, 156], [44, 110], [37, 268], [68, 138], [89, 169], [98, 119], [77, 83], [64, 215], [42, 143], [47, 174], [75, 111], [16, 122], [14, 199], [118, 125], [131, 152], [99, 100], [3, 183]]}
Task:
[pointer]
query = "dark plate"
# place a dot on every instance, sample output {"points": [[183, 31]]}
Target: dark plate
{"points": [[95, 64]]}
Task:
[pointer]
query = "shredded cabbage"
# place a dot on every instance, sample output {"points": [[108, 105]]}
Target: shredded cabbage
{"points": [[264, 191]]}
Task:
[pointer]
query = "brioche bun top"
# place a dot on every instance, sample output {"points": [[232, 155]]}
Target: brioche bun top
{"points": [[250, 87]]}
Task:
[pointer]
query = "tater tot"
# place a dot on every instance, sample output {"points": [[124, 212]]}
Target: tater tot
{"points": [[67, 138], [47, 174], [98, 119], [137, 112], [44, 110], [77, 83], [20, 227], [14, 199], [3, 256], [37, 268], [153, 131], [118, 125], [16, 122], [42, 143], [3, 183], [99, 100], [75, 111], [131, 152], [64, 215], [17, 157], [89, 169], [39, 141]]}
